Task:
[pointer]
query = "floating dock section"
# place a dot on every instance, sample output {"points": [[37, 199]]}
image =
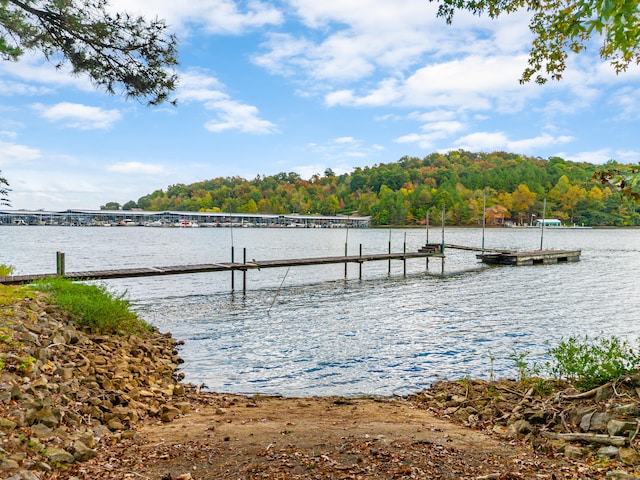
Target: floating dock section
{"points": [[538, 257]]}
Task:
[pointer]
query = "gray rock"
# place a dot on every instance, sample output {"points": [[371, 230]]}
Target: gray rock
{"points": [[595, 422], [632, 409], [620, 427], [521, 427], [82, 452], [59, 455], [571, 451], [6, 424], [603, 393], [608, 452], [41, 431], [8, 464]]}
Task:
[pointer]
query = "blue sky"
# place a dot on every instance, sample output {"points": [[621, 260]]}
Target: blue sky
{"points": [[305, 85]]}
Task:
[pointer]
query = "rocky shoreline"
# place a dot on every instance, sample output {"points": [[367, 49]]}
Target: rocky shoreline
{"points": [[63, 391]]}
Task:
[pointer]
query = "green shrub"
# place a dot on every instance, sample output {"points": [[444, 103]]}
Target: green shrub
{"points": [[591, 363], [5, 270], [92, 307]]}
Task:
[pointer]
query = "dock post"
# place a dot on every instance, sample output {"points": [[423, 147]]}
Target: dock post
{"points": [[360, 263], [244, 271], [404, 258], [233, 271], [427, 224], [389, 269], [345, 263], [60, 267], [442, 246]]}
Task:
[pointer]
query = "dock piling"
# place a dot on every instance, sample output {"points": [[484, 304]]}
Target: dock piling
{"points": [[360, 264], [404, 258], [244, 272], [389, 269], [233, 272], [60, 266]]}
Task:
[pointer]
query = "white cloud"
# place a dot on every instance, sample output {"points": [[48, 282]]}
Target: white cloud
{"points": [[214, 16], [628, 156], [544, 140], [237, 116], [487, 141], [627, 103], [10, 88], [136, 168], [345, 140], [602, 155], [11, 153], [34, 69], [431, 132], [75, 115], [198, 86]]}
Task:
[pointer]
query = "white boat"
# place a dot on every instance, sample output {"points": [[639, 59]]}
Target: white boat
{"points": [[187, 224]]}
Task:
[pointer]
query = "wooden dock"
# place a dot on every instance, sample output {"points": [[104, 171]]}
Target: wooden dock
{"points": [[538, 257], [431, 250]]}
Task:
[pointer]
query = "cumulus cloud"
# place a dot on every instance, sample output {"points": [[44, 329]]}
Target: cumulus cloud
{"points": [[75, 115], [237, 116], [197, 86]]}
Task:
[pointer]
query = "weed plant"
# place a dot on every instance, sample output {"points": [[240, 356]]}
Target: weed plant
{"points": [[5, 270], [591, 363], [93, 308]]}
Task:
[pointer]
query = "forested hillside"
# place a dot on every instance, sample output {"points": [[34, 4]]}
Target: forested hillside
{"points": [[401, 193]]}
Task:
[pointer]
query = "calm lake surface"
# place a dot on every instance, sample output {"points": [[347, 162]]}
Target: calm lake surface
{"points": [[308, 331]]}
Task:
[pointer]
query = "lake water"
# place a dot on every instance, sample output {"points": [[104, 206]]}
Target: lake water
{"points": [[308, 331]]}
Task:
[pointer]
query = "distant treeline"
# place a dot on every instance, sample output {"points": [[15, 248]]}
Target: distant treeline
{"points": [[401, 193]]}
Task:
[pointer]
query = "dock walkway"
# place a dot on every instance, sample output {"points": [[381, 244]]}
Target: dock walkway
{"points": [[489, 256], [427, 251]]}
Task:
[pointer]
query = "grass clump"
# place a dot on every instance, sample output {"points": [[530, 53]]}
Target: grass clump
{"points": [[5, 270], [93, 308], [591, 363]]}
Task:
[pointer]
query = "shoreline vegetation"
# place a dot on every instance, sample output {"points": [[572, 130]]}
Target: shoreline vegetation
{"points": [[87, 389], [509, 188]]}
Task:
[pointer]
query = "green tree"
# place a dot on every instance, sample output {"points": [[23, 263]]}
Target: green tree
{"points": [[563, 27], [110, 206], [119, 53], [4, 191], [130, 205]]}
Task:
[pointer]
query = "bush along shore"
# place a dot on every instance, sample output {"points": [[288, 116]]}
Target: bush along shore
{"points": [[64, 388]]}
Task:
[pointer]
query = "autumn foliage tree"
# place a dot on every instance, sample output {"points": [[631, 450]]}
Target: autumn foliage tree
{"points": [[404, 192]]}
